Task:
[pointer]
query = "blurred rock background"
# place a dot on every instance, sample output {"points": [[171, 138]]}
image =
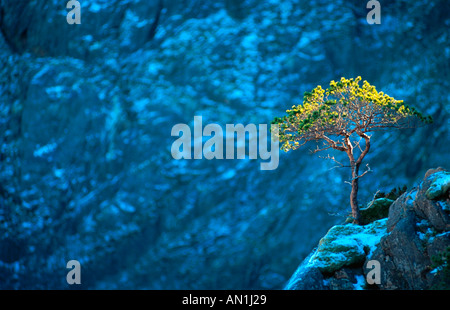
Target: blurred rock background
{"points": [[86, 113]]}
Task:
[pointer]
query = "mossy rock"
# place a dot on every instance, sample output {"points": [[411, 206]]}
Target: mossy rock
{"points": [[347, 245], [379, 209], [440, 185]]}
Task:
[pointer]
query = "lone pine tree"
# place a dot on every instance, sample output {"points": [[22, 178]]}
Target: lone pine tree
{"points": [[341, 118]]}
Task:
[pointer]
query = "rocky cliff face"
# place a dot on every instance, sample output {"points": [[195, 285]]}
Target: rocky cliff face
{"points": [[410, 246], [86, 112]]}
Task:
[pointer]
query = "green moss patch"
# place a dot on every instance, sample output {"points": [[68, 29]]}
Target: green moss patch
{"points": [[379, 209], [346, 245]]}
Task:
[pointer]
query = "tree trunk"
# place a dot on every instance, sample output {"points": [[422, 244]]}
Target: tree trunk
{"points": [[354, 194], [354, 164]]}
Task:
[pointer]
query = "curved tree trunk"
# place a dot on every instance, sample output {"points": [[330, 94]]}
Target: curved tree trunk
{"points": [[355, 164]]}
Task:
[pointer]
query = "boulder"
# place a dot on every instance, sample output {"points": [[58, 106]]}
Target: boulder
{"points": [[347, 245], [402, 257], [432, 196], [346, 279], [418, 231], [343, 246], [412, 244], [306, 277], [439, 186]]}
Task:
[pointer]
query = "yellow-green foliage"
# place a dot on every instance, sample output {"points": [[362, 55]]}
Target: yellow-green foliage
{"points": [[341, 109]]}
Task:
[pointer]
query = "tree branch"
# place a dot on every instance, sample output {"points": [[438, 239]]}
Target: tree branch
{"points": [[341, 165], [334, 145], [357, 144], [363, 174], [373, 199], [320, 149], [366, 149]]}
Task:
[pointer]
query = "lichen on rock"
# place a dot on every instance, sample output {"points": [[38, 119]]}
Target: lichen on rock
{"points": [[346, 245], [439, 186]]}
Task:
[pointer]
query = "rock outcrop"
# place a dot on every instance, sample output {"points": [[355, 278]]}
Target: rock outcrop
{"points": [[410, 246]]}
